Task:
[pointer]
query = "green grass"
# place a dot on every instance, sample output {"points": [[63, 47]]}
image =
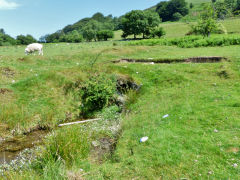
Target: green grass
{"points": [[199, 98], [180, 29]]}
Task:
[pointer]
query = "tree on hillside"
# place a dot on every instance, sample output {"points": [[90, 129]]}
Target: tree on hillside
{"points": [[139, 22], [90, 30], [98, 17], [54, 38], [5, 39], [167, 9], [104, 35], [2, 31], [191, 5], [221, 11], [230, 4], [207, 24], [24, 40], [71, 37], [133, 23]]}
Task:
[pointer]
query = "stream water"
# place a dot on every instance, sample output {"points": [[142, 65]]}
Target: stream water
{"points": [[11, 148]]}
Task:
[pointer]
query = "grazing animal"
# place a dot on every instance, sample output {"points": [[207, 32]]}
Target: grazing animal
{"points": [[34, 47]]}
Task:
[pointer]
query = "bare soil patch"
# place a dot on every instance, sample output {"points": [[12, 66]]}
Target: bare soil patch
{"points": [[209, 59], [5, 91], [6, 71]]}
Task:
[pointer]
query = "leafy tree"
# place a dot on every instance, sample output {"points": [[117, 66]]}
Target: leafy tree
{"points": [[90, 30], [6, 40], [158, 32], [207, 24], [166, 9], [42, 39], [221, 11], [98, 17], [237, 7], [72, 37], [104, 35], [133, 23], [54, 38], [24, 40], [87, 27], [230, 4], [2, 31], [139, 22], [177, 16], [191, 5], [152, 21]]}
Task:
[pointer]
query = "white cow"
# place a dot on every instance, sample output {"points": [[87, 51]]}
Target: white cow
{"points": [[34, 47]]}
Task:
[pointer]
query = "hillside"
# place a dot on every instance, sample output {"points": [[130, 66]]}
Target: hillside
{"points": [[162, 108]]}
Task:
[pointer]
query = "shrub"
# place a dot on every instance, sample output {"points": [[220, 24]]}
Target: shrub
{"points": [[104, 35], [96, 93], [177, 16], [192, 41], [159, 32]]}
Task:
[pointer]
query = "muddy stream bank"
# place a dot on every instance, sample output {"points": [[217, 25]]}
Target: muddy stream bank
{"points": [[11, 148]]}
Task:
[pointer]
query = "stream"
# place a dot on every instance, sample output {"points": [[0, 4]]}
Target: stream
{"points": [[11, 148]]}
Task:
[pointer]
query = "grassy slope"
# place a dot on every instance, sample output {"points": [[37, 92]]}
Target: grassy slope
{"points": [[179, 29], [184, 145], [197, 99]]}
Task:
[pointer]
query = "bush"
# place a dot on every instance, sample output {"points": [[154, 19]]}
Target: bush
{"points": [[177, 16], [192, 41], [72, 37], [96, 93], [104, 35], [159, 32], [25, 40], [6, 40]]}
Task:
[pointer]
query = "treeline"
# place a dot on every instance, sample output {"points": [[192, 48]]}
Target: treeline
{"points": [[134, 23], [7, 40], [226, 8], [100, 27], [96, 28]]}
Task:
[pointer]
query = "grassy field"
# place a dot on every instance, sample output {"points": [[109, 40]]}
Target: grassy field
{"points": [[180, 29], [199, 139]]}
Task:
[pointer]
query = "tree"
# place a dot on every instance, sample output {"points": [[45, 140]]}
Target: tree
{"points": [[55, 37], [177, 16], [191, 5], [166, 9], [237, 7], [221, 11], [104, 35], [207, 24], [159, 32], [133, 23], [71, 37], [2, 31], [230, 4], [6, 40], [90, 30], [98, 17], [139, 22], [152, 21], [24, 40]]}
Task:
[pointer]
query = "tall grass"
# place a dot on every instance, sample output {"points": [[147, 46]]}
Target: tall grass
{"points": [[192, 41]]}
